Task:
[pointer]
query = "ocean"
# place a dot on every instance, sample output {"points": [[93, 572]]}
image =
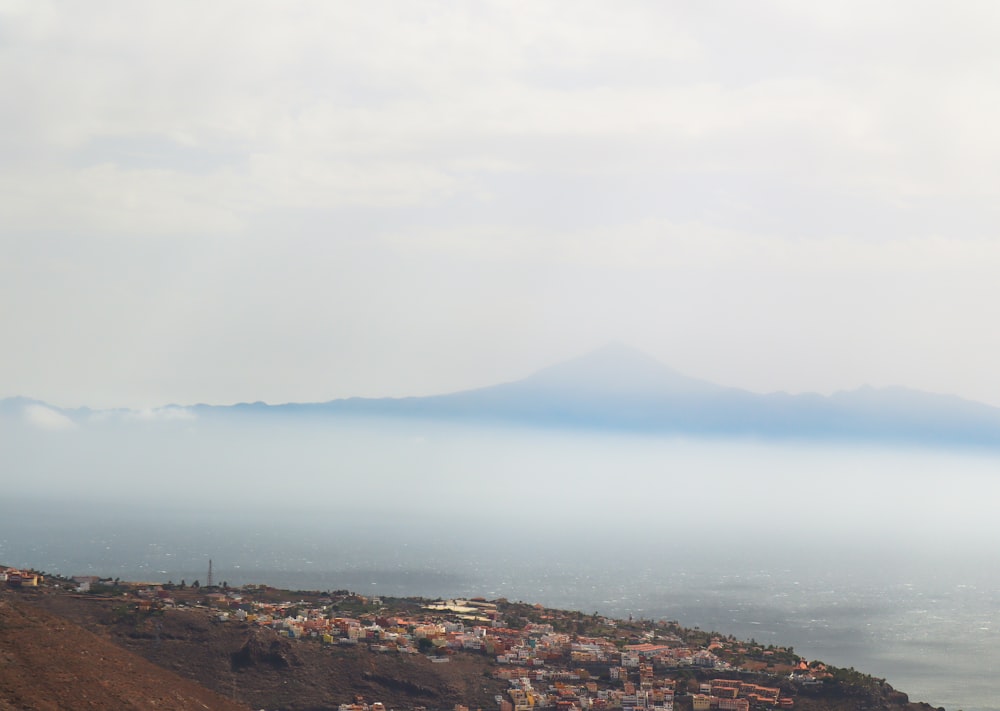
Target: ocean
{"points": [[872, 558]]}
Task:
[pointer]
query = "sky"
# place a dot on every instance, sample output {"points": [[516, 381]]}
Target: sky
{"points": [[299, 201]]}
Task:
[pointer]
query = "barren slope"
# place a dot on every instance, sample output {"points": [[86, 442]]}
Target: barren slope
{"points": [[49, 663]]}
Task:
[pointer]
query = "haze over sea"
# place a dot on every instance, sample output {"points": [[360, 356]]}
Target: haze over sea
{"points": [[876, 558], [307, 201]]}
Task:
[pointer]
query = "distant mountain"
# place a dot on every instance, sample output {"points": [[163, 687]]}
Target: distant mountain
{"points": [[618, 388]]}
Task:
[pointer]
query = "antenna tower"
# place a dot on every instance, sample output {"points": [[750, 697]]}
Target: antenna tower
{"points": [[209, 572]]}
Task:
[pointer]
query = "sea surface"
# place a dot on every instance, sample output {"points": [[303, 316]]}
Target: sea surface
{"points": [[879, 559]]}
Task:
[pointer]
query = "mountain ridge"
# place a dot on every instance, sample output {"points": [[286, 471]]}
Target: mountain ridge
{"points": [[619, 388]]}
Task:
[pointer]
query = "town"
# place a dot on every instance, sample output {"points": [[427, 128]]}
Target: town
{"points": [[549, 659]]}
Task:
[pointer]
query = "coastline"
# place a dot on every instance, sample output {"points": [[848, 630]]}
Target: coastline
{"points": [[641, 664]]}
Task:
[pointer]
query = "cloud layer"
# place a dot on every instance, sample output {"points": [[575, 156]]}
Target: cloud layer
{"points": [[311, 200], [46, 418]]}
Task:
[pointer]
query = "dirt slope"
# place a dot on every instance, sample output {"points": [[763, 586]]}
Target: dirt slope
{"points": [[260, 668], [49, 663]]}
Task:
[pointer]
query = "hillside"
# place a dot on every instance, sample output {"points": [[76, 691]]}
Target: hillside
{"points": [[269, 671], [52, 662], [49, 663]]}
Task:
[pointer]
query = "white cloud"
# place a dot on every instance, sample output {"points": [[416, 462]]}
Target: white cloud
{"points": [[663, 245], [110, 199], [332, 105], [169, 413], [241, 200], [46, 418]]}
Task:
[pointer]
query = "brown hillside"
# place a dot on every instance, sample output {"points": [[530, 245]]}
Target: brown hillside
{"points": [[44, 667], [48, 663], [263, 669]]}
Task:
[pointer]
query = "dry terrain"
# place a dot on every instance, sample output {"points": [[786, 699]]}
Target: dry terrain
{"points": [[265, 670], [65, 651], [49, 663]]}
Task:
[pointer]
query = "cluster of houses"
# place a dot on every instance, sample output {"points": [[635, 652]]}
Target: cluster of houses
{"points": [[545, 668], [17, 578], [567, 691], [737, 695], [652, 695], [473, 625]]}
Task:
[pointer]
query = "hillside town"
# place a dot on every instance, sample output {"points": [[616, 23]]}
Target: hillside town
{"points": [[550, 659], [546, 668]]}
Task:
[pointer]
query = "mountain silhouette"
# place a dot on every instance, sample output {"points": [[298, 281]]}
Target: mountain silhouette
{"points": [[621, 389]]}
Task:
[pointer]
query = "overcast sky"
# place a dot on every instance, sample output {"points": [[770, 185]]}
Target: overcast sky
{"points": [[296, 201]]}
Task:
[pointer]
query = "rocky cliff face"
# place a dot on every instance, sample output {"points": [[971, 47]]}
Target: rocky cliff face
{"points": [[259, 652]]}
